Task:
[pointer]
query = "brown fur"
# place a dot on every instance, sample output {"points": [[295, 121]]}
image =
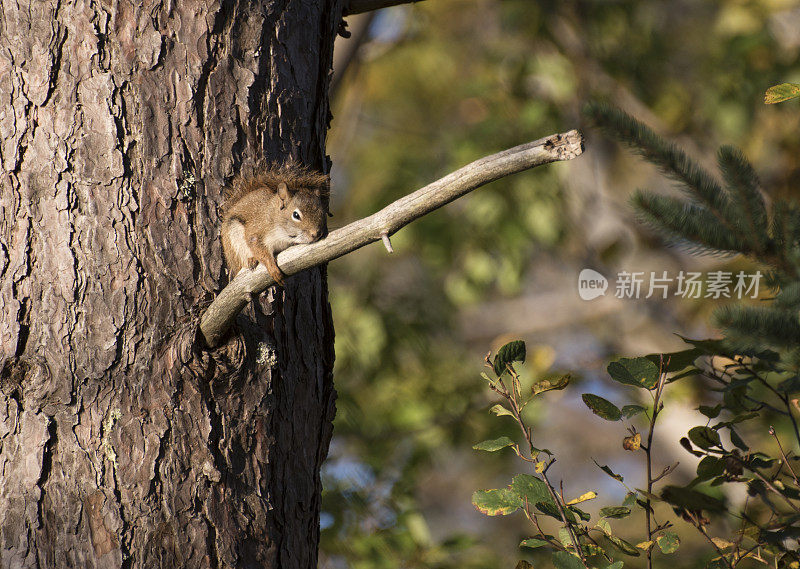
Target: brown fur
{"points": [[296, 176]]}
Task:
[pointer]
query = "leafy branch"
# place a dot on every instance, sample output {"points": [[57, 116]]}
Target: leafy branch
{"points": [[502, 366]]}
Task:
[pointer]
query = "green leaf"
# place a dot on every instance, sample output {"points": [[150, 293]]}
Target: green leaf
{"points": [[615, 512], [511, 352], [791, 492], [564, 538], [499, 502], [550, 509], [494, 444], [709, 347], [739, 419], [675, 361], [632, 410], [737, 440], [690, 372], [530, 487], [782, 92], [550, 384], [734, 398], [564, 560], [668, 542], [718, 481], [791, 385], [630, 499], [639, 372], [608, 471], [623, 546], [691, 499], [710, 467], [685, 443], [711, 412], [532, 543], [704, 437], [604, 526], [780, 536], [499, 410], [584, 516], [756, 487], [759, 460], [602, 407], [590, 549], [522, 564], [648, 495], [616, 565]]}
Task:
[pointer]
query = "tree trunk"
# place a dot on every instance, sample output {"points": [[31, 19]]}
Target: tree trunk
{"points": [[123, 442]]}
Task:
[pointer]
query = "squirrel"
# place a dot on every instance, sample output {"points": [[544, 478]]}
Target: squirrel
{"points": [[276, 208]]}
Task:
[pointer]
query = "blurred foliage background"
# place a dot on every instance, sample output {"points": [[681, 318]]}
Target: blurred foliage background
{"points": [[438, 84]]}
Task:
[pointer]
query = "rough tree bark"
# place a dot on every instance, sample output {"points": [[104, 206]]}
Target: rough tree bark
{"points": [[123, 443]]}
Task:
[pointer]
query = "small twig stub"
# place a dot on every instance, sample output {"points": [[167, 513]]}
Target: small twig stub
{"points": [[387, 243]]}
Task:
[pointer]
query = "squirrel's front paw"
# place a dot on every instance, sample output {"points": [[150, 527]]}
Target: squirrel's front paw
{"points": [[272, 268], [276, 274]]}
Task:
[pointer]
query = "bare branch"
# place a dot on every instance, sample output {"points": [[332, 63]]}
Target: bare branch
{"points": [[783, 454], [657, 406], [361, 6], [233, 298]]}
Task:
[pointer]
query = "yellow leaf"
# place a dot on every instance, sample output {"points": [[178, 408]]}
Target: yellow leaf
{"points": [[583, 498], [645, 545], [633, 442], [539, 467], [721, 543], [604, 526], [782, 92]]}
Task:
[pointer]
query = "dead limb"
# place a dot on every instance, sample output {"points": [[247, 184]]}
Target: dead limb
{"points": [[361, 6], [378, 227]]}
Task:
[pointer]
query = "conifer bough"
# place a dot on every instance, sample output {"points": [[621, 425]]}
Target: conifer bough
{"points": [[378, 227]]}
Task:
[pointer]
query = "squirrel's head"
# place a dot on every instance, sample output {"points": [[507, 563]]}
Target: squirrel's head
{"points": [[304, 214]]}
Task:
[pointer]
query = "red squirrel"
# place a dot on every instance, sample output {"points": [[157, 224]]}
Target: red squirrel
{"points": [[270, 211]]}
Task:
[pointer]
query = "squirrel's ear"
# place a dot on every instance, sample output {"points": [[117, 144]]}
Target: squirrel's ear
{"points": [[323, 190], [283, 193]]}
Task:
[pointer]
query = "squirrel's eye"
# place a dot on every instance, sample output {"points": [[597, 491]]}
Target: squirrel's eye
{"points": [[296, 215]]}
